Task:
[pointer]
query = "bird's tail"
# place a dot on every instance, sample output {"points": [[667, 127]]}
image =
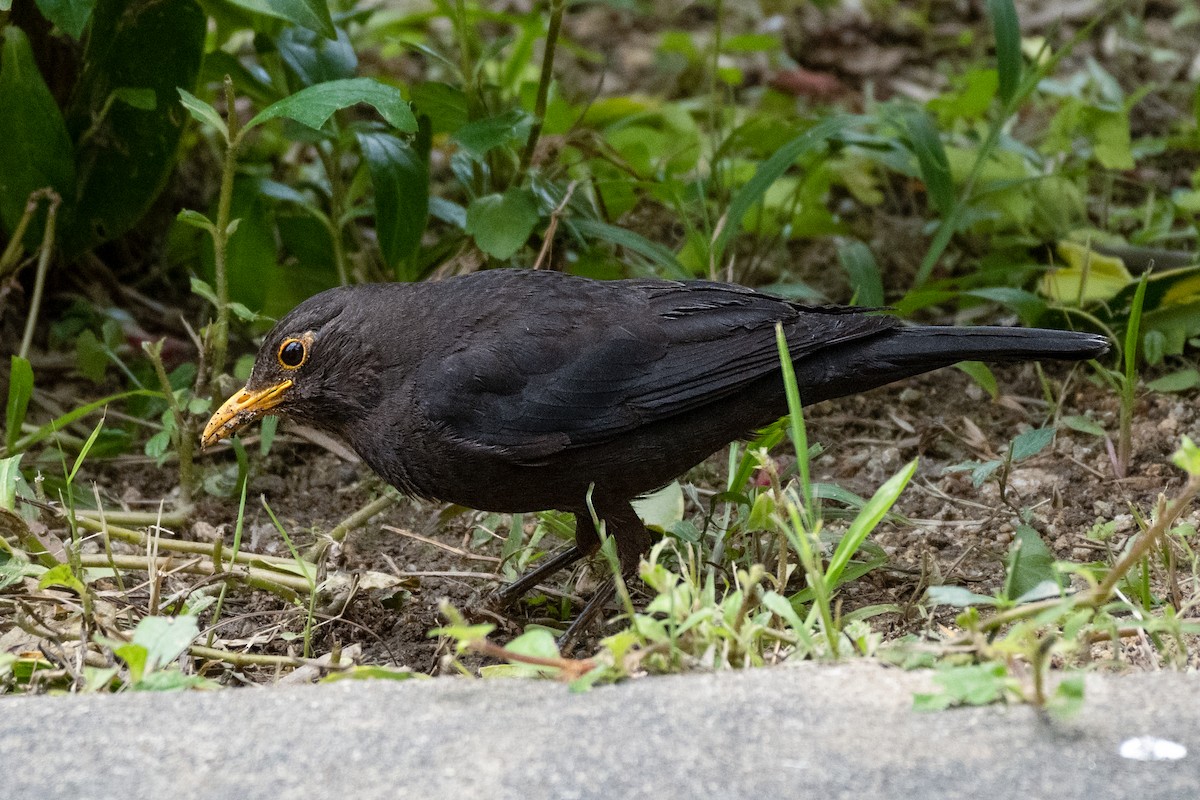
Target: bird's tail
{"points": [[906, 351]]}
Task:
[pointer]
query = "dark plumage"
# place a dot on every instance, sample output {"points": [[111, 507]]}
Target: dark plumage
{"points": [[515, 390]]}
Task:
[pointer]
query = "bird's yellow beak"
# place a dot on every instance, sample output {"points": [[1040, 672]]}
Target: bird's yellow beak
{"points": [[240, 410]]}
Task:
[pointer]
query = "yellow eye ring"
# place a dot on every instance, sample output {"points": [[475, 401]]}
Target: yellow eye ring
{"points": [[292, 353]]}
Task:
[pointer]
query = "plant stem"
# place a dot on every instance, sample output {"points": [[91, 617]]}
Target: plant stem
{"points": [[543, 92], [289, 587], [221, 234], [360, 517], [43, 265], [332, 161], [184, 435]]}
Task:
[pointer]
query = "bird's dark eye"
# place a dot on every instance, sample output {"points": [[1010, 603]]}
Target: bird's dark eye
{"points": [[292, 353]]}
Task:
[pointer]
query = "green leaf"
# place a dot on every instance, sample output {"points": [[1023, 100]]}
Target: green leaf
{"points": [[932, 161], [957, 596], [62, 575], [400, 178], [196, 220], [135, 657], [164, 638], [203, 113], [1111, 139], [1030, 443], [1187, 457], [1179, 381], [10, 481], [70, 16], [157, 445], [1030, 564], [20, 389], [1084, 425], [37, 150], [768, 172], [1007, 30], [982, 374], [143, 99], [865, 281], [445, 105], [315, 105], [314, 58], [970, 684], [126, 153], [50, 428], [483, 135], [372, 672], [653, 252], [866, 520], [310, 14], [502, 223], [663, 508]]}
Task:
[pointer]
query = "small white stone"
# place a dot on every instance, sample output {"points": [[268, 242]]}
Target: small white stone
{"points": [[1151, 748]]}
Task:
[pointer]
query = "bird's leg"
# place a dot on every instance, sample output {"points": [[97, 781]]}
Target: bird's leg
{"points": [[586, 543], [633, 540], [593, 609], [512, 592]]}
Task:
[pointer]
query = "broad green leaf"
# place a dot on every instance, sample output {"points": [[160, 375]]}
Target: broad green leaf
{"points": [[1187, 457], [982, 374], [1084, 425], [445, 105], [62, 576], [310, 14], [195, 219], [20, 389], [1030, 443], [10, 481], [483, 135], [164, 637], [37, 150], [1088, 276], [1030, 564], [957, 596], [1111, 140], [661, 509], [970, 684], [371, 672], [502, 223], [1178, 381], [314, 58], [203, 113], [400, 178], [866, 284], [143, 99], [1007, 30], [315, 105], [125, 153], [70, 16], [1027, 305]]}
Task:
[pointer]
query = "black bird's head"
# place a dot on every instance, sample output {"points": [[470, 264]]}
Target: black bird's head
{"points": [[315, 366]]}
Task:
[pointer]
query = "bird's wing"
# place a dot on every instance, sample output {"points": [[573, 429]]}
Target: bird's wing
{"points": [[624, 360]]}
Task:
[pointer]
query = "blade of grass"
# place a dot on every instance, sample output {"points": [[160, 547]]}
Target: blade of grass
{"points": [[798, 430], [1007, 31]]}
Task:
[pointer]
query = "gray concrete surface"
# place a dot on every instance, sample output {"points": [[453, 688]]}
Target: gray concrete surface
{"points": [[793, 732]]}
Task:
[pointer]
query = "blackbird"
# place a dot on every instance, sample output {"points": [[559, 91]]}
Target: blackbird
{"points": [[522, 390]]}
